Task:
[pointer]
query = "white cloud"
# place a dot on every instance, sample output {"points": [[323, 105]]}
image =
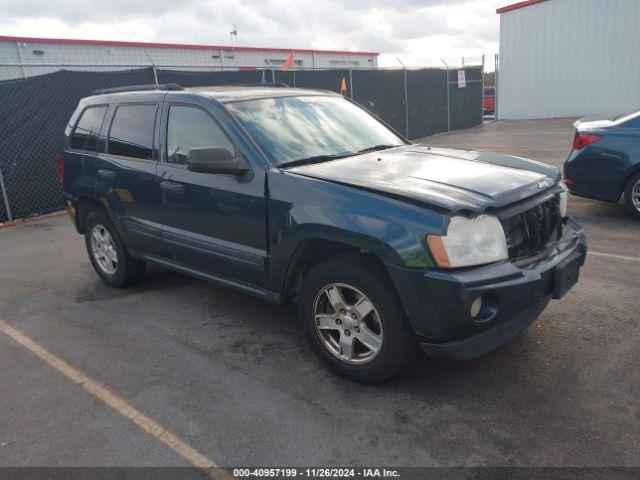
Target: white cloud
{"points": [[417, 31]]}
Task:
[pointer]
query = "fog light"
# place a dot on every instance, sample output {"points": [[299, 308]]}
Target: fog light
{"points": [[476, 306]]}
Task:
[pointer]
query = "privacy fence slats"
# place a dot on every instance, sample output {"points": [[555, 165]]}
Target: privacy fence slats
{"points": [[34, 112]]}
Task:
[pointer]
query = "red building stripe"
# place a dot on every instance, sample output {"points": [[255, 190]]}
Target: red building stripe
{"points": [[175, 45], [519, 5]]}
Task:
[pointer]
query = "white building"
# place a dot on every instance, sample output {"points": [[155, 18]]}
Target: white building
{"points": [[566, 58], [21, 56]]}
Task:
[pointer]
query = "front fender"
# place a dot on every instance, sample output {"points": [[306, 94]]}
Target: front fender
{"points": [[302, 208]]}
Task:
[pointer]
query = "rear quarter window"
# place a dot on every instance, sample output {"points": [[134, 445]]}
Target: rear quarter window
{"points": [[85, 135], [131, 132]]}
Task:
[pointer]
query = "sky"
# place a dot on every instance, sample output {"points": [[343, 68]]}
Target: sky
{"points": [[418, 32]]}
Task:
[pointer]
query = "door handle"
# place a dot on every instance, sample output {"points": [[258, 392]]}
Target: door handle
{"points": [[107, 174], [172, 187]]}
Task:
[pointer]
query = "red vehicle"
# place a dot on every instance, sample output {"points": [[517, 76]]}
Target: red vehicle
{"points": [[489, 100]]}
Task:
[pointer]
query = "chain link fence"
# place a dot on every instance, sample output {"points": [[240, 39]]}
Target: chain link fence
{"points": [[37, 101]]}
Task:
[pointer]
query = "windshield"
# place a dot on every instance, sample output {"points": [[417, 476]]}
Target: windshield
{"points": [[291, 129]]}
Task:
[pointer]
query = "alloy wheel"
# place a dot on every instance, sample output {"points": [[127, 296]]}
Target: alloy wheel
{"points": [[103, 249], [635, 195], [348, 323]]}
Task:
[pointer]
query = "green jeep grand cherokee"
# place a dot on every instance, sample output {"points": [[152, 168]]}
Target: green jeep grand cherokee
{"points": [[300, 195]]}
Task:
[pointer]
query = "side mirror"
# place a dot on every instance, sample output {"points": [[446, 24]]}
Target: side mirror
{"points": [[215, 160]]}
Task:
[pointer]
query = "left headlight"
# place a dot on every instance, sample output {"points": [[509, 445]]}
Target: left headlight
{"points": [[469, 242], [564, 194]]}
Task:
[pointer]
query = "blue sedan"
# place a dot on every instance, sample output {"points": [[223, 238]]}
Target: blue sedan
{"points": [[605, 161]]}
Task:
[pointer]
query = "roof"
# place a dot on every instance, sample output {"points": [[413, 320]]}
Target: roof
{"points": [[519, 5], [233, 93], [115, 43]]}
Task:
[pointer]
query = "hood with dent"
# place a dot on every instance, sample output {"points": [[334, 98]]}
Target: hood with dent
{"points": [[451, 179]]}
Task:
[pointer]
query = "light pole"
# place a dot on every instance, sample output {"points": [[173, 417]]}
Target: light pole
{"points": [[232, 34]]}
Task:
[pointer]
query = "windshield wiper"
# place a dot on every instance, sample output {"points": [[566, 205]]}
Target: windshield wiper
{"points": [[314, 159], [326, 158], [376, 148]]}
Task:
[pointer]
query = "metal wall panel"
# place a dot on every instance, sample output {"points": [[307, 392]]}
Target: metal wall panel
{"points": [[566, 58]]}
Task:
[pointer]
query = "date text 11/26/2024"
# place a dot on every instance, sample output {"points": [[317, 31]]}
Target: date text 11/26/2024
{"points": [[315, 473]]}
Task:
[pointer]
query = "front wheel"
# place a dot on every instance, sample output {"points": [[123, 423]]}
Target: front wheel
{"points": [[108, 255], [632, 195], [353, 320]]}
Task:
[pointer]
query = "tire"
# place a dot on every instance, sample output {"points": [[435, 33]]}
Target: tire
{"points": [[116, 267], [385, 326], [633, 189]]}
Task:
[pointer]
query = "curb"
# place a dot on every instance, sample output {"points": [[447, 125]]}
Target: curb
{"points": [[15, 223]]}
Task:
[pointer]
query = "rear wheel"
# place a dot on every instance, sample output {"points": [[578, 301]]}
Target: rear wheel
{"points": [[632, 195], [353, 320], [108, 255]]}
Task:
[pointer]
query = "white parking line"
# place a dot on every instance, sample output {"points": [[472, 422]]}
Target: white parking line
{"points": [[612, 255], [118, 404]]}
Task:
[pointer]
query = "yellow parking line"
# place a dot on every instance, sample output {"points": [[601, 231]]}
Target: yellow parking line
{"points": [[617, 257], [117, 403]]}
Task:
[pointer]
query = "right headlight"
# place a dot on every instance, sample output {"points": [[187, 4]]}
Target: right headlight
{"points": [[469, 242]]}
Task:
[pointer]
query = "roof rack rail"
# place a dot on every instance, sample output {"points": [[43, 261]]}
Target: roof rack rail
{"points": [[136, 88]]}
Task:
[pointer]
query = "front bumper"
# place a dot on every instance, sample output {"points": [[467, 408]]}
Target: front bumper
{"points": [[438, 303]]}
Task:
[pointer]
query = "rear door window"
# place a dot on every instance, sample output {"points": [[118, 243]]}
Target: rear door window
{"points": [[131, 132], [85, 135], [190, 127]]}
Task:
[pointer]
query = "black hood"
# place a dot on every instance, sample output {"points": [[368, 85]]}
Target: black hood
{"points": [[451, 179]]}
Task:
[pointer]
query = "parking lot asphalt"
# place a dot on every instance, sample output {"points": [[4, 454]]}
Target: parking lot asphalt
{"points": [[232, 377]]}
